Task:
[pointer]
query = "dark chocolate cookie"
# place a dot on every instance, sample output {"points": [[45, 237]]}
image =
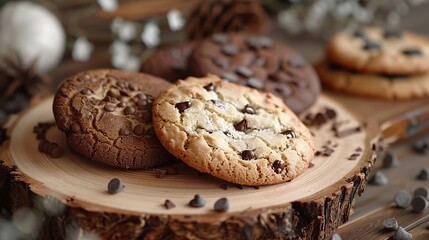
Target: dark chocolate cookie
{"points": [[106, 115], [169, 62], [258, 62]]}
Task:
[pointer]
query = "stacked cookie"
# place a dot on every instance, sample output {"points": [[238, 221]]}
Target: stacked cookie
{"points": [[255, 61], [377, 63]]}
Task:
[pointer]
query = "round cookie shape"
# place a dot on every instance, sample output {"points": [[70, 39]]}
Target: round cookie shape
{"points": [[374, 50], [232, 132], [258, 62], [169, 62], [106, 115], [372, 85]]}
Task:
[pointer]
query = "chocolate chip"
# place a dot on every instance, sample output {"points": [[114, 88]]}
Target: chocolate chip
{"points": [[244, 71], [138, 130], [390, 224], [423, 174], [230, 77], [371, 45], [378, 179], [421, 147], [255, 83], [402, 199], [219, 38], [421, 191], [248, 155], [336, 236], [142, 96], [112, 93], [277, 166], [115, 185], [241, 126], [133, 87], [221, 62], [347, 132], [331, 113], [419, 204], [182, 106], [209, 87], [390, 160], [124, 131], [259, 62], [75, 128], [197, 202], [86, 91], [129, 110], [392, 34], [230, 50], [412, 52], [168, 204], [142, 103], [109, 108], [56, 151], [296, 62], [259, 42], [402, 234], [289, 134], [43, 146], [221, 205], [121, 104], [249, 109]]}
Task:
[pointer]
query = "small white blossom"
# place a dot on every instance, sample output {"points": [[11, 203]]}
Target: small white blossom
{"points": [[151, 35], [82, 50], [108, 5], [175, 19]]}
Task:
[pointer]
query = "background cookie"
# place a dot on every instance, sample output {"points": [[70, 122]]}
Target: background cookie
{"points": [[169, 62], [378, 51], [232, 132], [381, 86], [258, 62], [106, 115]]}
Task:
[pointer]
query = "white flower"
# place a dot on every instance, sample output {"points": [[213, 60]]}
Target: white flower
{"points": [[108, 5], [126, 30], [175, 20], [82, 50], [151, 35]]}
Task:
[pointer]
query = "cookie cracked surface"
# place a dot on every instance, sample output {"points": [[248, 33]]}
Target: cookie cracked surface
{"points": [[232, 132], [106, 115]]}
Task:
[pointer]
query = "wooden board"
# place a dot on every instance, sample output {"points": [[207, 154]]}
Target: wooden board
{"points": [[311, 206]]}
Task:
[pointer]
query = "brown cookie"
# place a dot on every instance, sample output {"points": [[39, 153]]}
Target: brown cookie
{"points": [[261, 63], [169, 62], [106, 115]]}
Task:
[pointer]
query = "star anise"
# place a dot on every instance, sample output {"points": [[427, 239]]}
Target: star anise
{"points": [[15, 76]]}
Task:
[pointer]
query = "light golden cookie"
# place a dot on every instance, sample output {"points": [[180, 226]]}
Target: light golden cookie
{"points": [[380, 86], [232, 132], [375, 50]]}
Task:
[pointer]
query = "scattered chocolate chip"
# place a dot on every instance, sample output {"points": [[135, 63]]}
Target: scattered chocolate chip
{"points": [[390, 160], [115, 186], [390, 224], [419, 204], [142, 103], [331, 113], [423, 174], [412, 52], [43, 146], [86, 91], [219, 38], [320, 119], [296, 62], [168, 204], [230, 50], [221, 62], [129, 110], [336, 236], [354, 156], [244, 71], [142, 96], [402, 234], [109, 108], [347, 132], [371, 45], [133, 87], [112, 94], [259, 62], [289, 134], [402, 199], [248, 155], [249, 109], [421, 147], [197, 202], [221, 205], [230, 77], [138, 130], [392, 34], [121, 104], [182, 106], [255, 83], [224, 186], [277, 166], [378, 179], [56, 151], [124, 131], [241, 126], [160, 173], [421, 191]]}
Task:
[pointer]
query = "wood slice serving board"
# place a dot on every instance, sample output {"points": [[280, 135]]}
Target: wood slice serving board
{"points": [[311, 206]]}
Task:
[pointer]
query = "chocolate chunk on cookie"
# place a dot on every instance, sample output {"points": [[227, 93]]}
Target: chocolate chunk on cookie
{"points": [[169, 62], [232, 132], [106, 115], [258, 62], [378, 51]]}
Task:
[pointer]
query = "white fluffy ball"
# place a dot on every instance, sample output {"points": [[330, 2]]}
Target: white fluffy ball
{"points": [[33, 32]]}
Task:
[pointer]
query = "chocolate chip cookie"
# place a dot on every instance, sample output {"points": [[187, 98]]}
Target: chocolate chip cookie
{"points": [[232, 132], [169, 62], [106, 115], [378, 51], [373, 85], [258, 62]]}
